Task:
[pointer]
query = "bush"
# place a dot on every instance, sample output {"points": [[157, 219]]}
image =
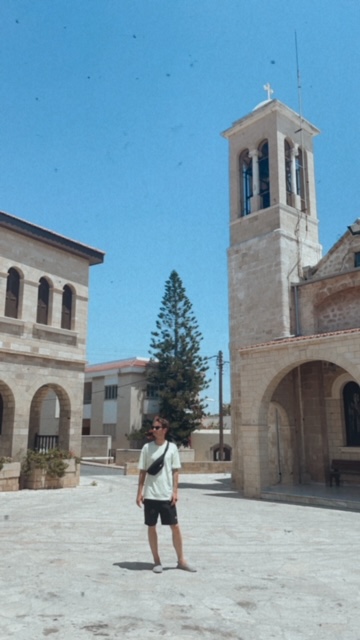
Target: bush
{"points": [[53, 462]]}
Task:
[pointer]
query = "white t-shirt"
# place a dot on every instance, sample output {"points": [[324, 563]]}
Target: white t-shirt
{"points": [[159, 487]]}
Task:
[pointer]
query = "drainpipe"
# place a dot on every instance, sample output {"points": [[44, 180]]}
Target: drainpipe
{"points": [[302, 435], [278, 445], [297, 311]]}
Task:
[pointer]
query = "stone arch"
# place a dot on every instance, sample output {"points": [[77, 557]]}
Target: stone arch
{"points": [[308, 399], [265, 393], [341, 309], [7, 424], [62, 429], [339, 384], [332, 288]]}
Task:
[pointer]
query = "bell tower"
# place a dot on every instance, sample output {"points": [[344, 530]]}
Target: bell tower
{"points": [[273, 219]]}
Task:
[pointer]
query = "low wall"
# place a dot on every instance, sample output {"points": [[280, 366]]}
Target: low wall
{"points": [[204, 441], [9, 476], [206, 467], [38, 479], [96, 447], [123, 456], [131, 468]]}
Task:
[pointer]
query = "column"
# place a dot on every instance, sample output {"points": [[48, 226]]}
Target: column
{"points": [[255, 458]]}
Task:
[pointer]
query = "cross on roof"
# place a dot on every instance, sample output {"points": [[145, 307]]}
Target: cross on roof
{"points": [[269, 90]]}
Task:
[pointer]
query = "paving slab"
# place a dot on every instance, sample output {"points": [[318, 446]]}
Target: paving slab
{"points": [[75, 565]]}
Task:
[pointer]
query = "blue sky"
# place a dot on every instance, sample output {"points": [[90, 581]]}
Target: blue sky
{"points": [[111, 114]]}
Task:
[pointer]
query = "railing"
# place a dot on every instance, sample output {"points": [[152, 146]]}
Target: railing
{"points": [[45, 443]]}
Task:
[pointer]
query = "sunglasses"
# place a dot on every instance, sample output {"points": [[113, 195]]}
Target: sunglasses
{"points": [[155, 428]]}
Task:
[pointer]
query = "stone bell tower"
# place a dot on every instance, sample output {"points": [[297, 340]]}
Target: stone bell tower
{"points": [[273, 219]]}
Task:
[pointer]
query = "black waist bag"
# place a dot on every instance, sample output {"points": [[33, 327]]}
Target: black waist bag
{"points": [[158, 464]]}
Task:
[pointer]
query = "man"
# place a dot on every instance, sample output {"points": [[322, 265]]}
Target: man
{"points": [[159, 493]]}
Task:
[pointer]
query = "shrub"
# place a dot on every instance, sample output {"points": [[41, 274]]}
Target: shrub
{"points": [[53, 462]]}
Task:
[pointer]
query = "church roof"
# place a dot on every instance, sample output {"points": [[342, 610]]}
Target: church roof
{"points": [[269, 106]]}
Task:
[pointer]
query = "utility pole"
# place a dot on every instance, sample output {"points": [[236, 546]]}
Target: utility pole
{"points": [[220, 364]]}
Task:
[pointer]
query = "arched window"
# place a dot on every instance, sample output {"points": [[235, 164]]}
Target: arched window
{"points": [[12, 294], [351, 397], [245, 167], [264, 175], [289, 190], [43, 302], [66, 309], [301, 179]]}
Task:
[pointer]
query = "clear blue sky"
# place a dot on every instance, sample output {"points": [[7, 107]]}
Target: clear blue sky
{"points": [[111, 113]]}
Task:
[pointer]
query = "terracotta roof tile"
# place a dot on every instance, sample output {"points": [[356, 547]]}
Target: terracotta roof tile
{"points": [[297, 339], [117, 364]]}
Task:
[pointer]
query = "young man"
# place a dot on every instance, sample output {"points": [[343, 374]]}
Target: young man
{"points": [[159, 492]]}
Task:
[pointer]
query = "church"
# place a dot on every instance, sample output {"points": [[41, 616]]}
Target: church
{"points": [[294, 314]]}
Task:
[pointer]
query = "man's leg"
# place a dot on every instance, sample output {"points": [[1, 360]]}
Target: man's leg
{"points": [[178, 545], [153, 542], [177, 542]]}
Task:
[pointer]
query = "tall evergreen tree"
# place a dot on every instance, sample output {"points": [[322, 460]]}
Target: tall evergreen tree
{"points": [[177, 370]]}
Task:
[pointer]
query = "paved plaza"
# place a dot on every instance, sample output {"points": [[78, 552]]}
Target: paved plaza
{"points": [[75, 565]]}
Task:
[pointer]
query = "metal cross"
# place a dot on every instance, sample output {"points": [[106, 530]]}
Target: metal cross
{"points": [[269, 90]]}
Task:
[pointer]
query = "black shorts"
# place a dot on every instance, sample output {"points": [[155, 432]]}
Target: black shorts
{"points": [[164, 508]]}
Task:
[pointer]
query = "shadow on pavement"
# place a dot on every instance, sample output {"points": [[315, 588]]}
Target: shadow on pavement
{"points": [[218, 485], [134, 566], [227, 494], [139, 566]]}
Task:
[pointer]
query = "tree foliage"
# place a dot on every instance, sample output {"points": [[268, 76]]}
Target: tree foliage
{"points": [[177, 370]]}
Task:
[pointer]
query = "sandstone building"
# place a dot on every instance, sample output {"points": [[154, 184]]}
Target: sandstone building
{"points": [[116, 400], [294, 315], [43, 325]]}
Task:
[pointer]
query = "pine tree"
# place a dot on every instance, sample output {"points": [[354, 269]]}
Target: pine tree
{"points": [[177, 370]]}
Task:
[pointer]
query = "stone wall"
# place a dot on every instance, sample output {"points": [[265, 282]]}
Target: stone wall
{"points": [[95, 447], [131, 468], [9, 476], [296, 372], [125, 456]]}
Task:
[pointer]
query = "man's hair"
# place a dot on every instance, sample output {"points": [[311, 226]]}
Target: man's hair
{"points": [[164, 423]]}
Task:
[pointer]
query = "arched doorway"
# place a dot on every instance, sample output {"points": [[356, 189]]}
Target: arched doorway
{"points": [[7, 411], [226, 452], [308, 424], [50, 413]]}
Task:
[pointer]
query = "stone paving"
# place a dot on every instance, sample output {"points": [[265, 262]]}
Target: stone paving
{"points": [[75, 565]]}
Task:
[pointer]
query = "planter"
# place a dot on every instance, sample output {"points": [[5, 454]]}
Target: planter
{"points": [[53, 469], [40, 479], [9, 476]]}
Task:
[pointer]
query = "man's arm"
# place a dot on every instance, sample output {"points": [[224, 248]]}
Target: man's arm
{"points": [[139, 497], [174, 497]]}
